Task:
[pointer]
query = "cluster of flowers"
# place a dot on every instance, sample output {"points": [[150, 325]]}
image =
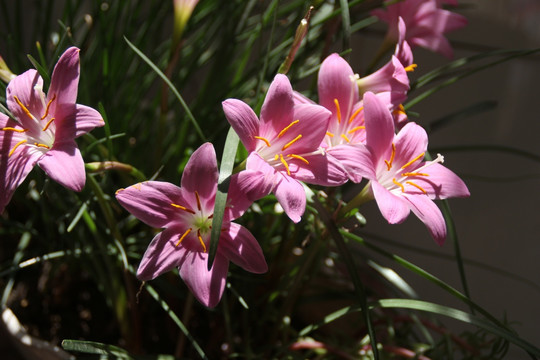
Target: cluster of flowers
{"points": [[350, 136]]}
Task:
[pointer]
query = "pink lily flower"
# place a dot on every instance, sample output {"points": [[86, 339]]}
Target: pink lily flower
{"points": [[186, 214], [285, 144], [401, 181], [46, 129], [426, 23]]}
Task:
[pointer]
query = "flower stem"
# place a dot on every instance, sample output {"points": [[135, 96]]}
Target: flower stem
{"points": [[352, 207]]}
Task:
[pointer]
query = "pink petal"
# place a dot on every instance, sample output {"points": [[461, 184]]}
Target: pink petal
{"points": [[150, 202], [441, 183], [65, 79], [391, 79], [64, 164], [277, 109], [336, 81], [379, 126], [411, 141], [162, 255], [312, 126], [291, 196], [240, 246], [426, 210], [393, 208], [86, 119], [243, 120], [201, 174], [299, 98], [246, 187], [22, 87], [356, 160], [207, 286], [322, 170]]}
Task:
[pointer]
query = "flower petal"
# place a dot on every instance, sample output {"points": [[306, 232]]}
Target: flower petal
{"points": [[162, 255], [277, 109], [336, 82], [201, 174], [243, 120], [150, 202], [322, 170], [393, 208], [27, 88], [291, 196], [246, 187], [356, 159], [379, 126], [65, 79], [300, 98], [207, 286], [428, 212], [411, 141], [442, 183], [84, 117], [64, 164], [240, 246]]}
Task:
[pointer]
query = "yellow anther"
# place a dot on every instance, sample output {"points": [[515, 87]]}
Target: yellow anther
{"points": [[183, 208], [355, 114], [421, 156], [14, 129], [26, 111], [338, 110], [201, 240], [389, 163], [282, 132], [291, 142], [183, 236], [355, 129], [399, 184], [416, 186], [42, 145], [263, 139], [16, 146], [294, 156], [411, 68], [400, 110], [414, 174], [284, 164], [48, 124], [276, 157], [329, 134], [345, 137], [198, 201], [48, 106]]}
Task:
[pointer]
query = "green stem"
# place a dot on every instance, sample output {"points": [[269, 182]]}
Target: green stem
{"points": [[101, 166], [361, 198]]}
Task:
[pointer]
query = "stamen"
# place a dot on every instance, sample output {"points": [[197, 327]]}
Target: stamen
{"points": [[282, 132], [399, 184], [48, 124], [355, 129], [201, 240], [48, 106], [413, 160], [198, 200], [389, 163], [184, 236], [263, 139], [211, 216], [414, 174], [294, 156], [26, 111], [16, 146], [291, 142], [183, 208], [276, 157], [42, 145], [400, 110], [416, 186], [345, 137], [355, 114], [329, 134], [284, 164], [411, 68], [338, 110], [14, 129]]}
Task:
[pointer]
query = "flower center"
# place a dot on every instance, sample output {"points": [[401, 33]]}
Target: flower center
{"points": [[345, 132], [197, 221]]}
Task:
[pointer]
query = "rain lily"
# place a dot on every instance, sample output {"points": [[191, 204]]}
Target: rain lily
{"points": [[426, 23], [46, 129], [186, 214], [400, 179], [285, 144]]}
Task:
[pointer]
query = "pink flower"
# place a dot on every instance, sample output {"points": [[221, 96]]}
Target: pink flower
{"points": [[400, 179], [46, 128], [186, 214], [426, 23], [285, 144]]}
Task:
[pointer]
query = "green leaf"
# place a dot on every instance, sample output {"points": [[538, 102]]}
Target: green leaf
{"points": [[227, 163], [91, 347]]}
